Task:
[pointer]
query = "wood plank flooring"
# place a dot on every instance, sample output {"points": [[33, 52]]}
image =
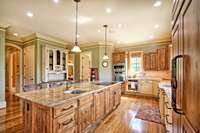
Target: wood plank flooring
{"points": [[122, 120]]}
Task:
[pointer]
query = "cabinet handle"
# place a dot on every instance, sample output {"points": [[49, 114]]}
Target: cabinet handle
{"points": [[64, 109], [67, 122], [167, 120], [166, 104]]}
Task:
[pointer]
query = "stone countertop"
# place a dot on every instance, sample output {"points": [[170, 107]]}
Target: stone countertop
{"points": [[146, 78], [166, 86], [51, 97]]}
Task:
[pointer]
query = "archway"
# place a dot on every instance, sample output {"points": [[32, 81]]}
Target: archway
{"points": [[13, 68]]}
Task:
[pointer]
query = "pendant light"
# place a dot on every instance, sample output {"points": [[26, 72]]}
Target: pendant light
{"points": [[105, 57], [76, 48]]}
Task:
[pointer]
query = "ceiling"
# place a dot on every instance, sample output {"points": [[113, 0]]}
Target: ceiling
{"points": [[130, 22]]}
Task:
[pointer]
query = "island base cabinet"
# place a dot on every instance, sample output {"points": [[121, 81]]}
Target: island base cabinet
{"points": [[85, 113], [99, 101], [37, 118], [65, 124]]}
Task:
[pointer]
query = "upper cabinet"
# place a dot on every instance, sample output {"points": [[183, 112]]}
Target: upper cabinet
{"points": [[157, 61], [119, 57], [55, 63], [163, 58]]}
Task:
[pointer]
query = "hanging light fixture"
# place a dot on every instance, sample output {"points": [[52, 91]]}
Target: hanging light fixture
{"points": [[76, 48], [105, 57]]}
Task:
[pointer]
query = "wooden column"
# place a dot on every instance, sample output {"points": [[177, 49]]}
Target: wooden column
{"points": [[2, 68]]}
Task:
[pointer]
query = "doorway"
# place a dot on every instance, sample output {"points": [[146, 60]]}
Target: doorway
{"points": [[85, 65], [13, 69]]}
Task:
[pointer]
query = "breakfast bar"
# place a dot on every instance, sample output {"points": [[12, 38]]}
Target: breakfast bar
{"points": [[77, 108]]}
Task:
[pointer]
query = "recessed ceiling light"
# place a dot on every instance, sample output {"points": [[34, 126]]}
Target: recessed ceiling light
{"points": [[29, 14], [78, 36], [156, 26], [108, 10], [151, 36], [119, 25], [157, 3], [118, 42], [99, 30], [56, 1], [15, 34]]}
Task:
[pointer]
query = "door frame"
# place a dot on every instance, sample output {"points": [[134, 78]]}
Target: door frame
{"points": [[81, 55], [20, 89]]}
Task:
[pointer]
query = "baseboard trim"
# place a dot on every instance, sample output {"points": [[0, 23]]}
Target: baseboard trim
{"points": [[2, 104]]}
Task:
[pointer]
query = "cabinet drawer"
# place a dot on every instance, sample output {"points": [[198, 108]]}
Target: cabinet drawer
{"points": [[65, 124], [65, 109], [85, 100]]}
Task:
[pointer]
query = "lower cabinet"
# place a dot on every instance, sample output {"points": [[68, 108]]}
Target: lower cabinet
{"points": [[99, 102], [176, 119], [85, 113]]}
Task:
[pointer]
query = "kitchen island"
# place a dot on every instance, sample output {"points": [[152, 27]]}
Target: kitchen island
{"points": [[77, 108]]}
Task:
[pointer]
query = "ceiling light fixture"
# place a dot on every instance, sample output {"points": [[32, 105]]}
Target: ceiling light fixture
{"points": [[157, 3], [156, 26], [15, 34], [99, 30], [108, 10], [105, 57], [29, 14], [56, 1], [151, 36], [76, 48], [119, 25]]}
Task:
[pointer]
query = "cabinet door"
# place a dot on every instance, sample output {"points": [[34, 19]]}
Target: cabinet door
{"points": [[107, 101], [29, 65], [85, 117], [99, 98], [176, 122], [153, 61], [147, 62], [122, 57]]}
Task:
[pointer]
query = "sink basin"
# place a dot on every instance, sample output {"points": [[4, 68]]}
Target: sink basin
{"points": [[74, 91]]}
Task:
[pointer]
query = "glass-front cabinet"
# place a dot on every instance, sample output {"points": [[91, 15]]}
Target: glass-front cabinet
{"points": [[55, 64]]}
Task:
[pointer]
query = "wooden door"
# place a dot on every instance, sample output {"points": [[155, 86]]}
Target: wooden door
{"points": [[189, 17], [99, 98], [29, 65], [185, 39]]}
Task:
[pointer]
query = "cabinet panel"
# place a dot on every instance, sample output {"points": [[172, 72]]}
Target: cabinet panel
{"points": [[186, 126], [99, 98]]}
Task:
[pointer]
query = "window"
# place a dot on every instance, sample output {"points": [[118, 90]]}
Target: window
{"points": [[136, 64]]}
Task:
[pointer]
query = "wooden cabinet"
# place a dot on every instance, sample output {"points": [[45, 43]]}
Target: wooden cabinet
{"points": [[115, 96], [99, 101], [85, 113], [147, 61], [119, 57], [124, 87], [153, 61], [107, 100], [163, 58], [185, 39]]}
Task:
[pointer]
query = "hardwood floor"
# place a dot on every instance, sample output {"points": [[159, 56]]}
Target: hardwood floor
{"points": [[11, 120], [122, 120]]}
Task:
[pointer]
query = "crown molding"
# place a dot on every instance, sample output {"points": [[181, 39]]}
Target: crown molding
{"points": [[96, 44], [46, 38], [146, 44], [3, 27]]}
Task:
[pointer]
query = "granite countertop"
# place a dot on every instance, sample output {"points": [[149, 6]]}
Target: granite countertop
{"points": [[166, 86], [146, 78], [51, 97]]}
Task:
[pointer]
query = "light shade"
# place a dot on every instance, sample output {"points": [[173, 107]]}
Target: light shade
{"points": [[105, 57], [76, 49]]}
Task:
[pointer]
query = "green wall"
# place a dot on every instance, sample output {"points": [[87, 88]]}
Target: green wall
{"points": [[2, 65], [97, 51]]}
